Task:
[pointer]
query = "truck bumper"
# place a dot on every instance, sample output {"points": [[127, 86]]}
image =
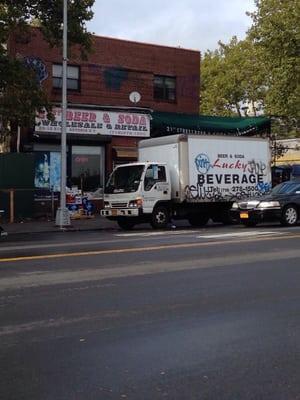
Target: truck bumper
{"points": [[121, 212]]}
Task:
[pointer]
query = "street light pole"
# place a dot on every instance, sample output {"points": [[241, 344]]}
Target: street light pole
{"points": [[62, 215]]}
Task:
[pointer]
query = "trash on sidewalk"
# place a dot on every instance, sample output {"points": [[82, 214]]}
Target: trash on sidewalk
{"points": [[81, 214], [79, 205]]}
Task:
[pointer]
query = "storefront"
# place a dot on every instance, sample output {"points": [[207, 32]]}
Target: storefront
{"points": [[97, 141]]}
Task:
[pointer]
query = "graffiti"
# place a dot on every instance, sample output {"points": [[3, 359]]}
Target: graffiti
{"points": [[38, 66], [196, 193], [257, 167], [213, 193], [264, 187], [200, 192]]}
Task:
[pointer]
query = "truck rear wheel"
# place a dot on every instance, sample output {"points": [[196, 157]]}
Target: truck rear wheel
{"points": [[160, 217], [125, 223], [198, 220]]}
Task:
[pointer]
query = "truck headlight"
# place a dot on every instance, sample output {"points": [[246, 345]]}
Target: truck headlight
{"points": [[136, 203], [106, 204], [268, 204]]}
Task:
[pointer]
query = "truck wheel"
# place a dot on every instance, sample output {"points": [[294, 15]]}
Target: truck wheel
{"points": [[160, 217], [198, 220], [125, 223], [289, 216]]}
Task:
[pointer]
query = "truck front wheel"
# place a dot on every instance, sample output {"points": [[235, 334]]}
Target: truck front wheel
{"points": [[125, 223], [160, 217]]}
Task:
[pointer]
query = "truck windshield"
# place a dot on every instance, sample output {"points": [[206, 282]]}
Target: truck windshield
{"points": [[124, 179]]}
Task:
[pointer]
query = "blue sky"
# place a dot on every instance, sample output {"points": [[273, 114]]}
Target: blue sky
{"points": [[195, 24]]}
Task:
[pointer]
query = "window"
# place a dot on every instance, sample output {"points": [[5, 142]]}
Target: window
{"points": [[87, 167], [164, 88], [73, 73], [154, 174]]}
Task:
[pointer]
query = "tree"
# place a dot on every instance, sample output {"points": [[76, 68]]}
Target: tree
{"points": [[276, 32], [231, 76], [21, 94], [262, 70]]}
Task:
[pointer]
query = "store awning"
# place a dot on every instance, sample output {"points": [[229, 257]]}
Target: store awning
{"points": [[165, 123], [126, 152]]}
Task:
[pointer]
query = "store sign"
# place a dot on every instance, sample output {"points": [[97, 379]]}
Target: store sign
{"points": [[96, 123]]}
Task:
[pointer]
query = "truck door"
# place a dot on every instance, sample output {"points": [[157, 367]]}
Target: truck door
{"points": [[156, 186]]}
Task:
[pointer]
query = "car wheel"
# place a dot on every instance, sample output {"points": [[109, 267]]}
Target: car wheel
{"points": [[160, 217], [198, 220], [289, 216], [125, 223]]}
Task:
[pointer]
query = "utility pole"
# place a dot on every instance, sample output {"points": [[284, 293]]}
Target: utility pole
{"points": [[62, 215]]}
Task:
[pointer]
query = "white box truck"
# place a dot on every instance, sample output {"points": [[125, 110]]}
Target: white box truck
{"points": [[187, 177]]}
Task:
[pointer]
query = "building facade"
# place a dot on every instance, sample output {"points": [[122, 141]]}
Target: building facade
{"points": [[111, 97]]}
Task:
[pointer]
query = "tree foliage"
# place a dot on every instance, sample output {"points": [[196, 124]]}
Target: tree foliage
{"points": [[21, 94], [265, 66], [230, 78]]}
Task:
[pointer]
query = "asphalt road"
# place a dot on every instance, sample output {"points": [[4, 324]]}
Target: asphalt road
{"points": [[182, 314]]}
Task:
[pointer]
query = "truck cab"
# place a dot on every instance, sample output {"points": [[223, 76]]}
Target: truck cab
{"points": [[138, 192]]}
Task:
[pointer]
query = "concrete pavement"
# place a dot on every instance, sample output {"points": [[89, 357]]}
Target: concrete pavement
{"points": [[44, 225]]}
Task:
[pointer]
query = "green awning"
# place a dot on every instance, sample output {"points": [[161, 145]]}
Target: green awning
{"points": [[165, 123]]}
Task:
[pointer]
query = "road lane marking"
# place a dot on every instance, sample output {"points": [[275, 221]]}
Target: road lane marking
{"points": [[142, 249], [143, 235], [159, 233], [240, 234]]}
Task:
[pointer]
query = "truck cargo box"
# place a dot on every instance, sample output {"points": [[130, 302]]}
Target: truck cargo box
{"points": [[212, 168]]}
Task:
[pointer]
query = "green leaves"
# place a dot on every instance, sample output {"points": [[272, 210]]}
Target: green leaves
{"points": [[262, 70], [21, 95], [231, 76], [276, 31]]}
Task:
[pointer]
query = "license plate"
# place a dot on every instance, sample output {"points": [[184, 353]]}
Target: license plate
{"points": [[244, 215], [114, 213]]}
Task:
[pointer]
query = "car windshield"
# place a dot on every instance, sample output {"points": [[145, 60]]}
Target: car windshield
{"points": [[124, 179], [286, 188]]}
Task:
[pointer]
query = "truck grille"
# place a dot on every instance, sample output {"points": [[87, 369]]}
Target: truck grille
{"points": [[118, 205]]}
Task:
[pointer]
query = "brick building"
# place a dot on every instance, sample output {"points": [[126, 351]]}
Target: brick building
{"points": [[111, 97]]}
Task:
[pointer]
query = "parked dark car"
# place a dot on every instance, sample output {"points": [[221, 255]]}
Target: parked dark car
{"points": [[281, 204]]}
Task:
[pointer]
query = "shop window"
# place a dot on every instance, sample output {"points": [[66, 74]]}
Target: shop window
{"points": [[87, 168], [164, 88], [73, 77]]}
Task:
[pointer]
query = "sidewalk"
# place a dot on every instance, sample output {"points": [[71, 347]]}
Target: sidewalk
{"points": [[42, 226]]}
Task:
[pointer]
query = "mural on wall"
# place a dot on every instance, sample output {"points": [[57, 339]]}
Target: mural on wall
{"points": [[47, 171], [38, 66]]}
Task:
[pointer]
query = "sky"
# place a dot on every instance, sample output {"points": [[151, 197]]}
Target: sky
{"points": [[192, 24]]}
